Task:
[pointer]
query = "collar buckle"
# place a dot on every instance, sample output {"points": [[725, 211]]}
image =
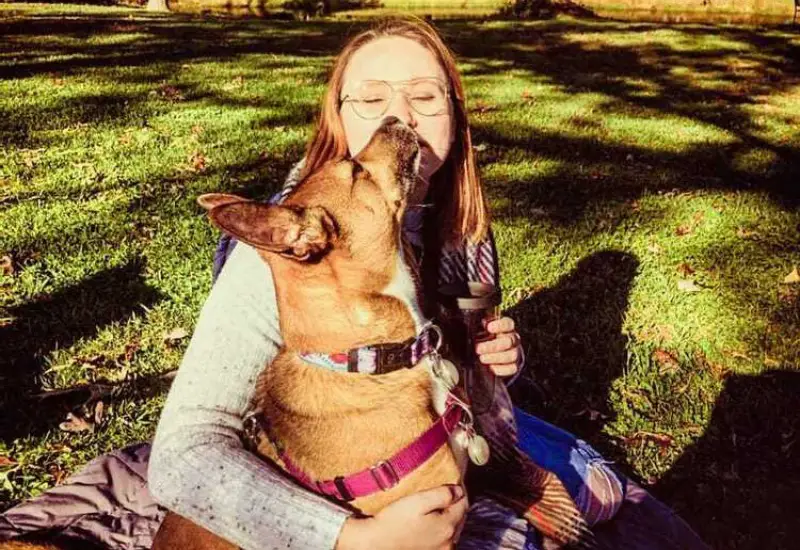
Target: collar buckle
{"points": [[384, 475]]}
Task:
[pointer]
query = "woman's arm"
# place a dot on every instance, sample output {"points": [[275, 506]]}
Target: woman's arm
{"points": [[198, 466]]}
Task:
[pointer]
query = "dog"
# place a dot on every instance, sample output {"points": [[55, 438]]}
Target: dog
{"points": [[343, 282]]}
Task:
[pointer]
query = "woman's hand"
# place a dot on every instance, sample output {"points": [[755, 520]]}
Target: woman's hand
{"points": [[502, 353], [428, 520]]}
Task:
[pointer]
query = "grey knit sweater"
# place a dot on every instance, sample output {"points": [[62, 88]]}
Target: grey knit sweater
{"points": [[198, 466]]}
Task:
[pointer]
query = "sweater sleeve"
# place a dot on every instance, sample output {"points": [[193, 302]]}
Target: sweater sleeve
{"points": [[199, 467]]}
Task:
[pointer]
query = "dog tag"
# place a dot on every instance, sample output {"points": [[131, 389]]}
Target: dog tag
{"points": [[478, 450], [461, 438], [447, 372]]}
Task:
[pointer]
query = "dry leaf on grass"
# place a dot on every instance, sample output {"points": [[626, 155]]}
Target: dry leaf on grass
{"points": [[6, 461], [662, 441], [198, 162], [743, 233], [685, 269], [792, 278], [99, 410], [6, 265], [667, 362], [687, 285], [170, 93], [683, 230], [75, 424], [175, 335], [59, 474]]}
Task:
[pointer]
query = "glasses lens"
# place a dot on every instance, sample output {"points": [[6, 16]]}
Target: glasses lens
{"points": [[427, 97], [371, 99]]}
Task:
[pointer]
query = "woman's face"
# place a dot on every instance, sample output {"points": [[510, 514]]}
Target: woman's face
{"points": [[401, 62]]}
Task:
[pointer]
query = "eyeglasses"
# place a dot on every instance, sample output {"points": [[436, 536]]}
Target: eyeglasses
{"points": [[371, 98]]}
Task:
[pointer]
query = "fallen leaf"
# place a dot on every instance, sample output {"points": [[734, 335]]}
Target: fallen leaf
{"points": [[175, 335], [6, 265], [99, 409], [662, 440], [745, 233], [5, 461], [792, 278], [57, 472], [687, 285], [170, 92], [198, 162], [685, 269], [130, 352], [75, 424], [197, 130], [667, 362], [683, 230]]}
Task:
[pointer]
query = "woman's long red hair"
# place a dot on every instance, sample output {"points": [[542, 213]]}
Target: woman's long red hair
{"points": [[455, 188]]}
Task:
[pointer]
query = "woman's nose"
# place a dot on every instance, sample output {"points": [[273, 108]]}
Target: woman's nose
{"points": [[401, 108]]}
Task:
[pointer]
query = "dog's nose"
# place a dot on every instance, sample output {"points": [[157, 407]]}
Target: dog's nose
{"points": [[390, 121]]}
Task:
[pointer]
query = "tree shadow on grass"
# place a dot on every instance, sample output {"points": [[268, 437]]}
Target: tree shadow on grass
{"points": [[59, 321], [739, 483], [649, 79], [575, 347]]}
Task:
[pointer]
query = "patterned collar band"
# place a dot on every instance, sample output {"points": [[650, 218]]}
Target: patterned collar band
{"points": [[380, 358]]}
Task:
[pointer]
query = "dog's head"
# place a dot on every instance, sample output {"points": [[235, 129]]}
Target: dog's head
{"points": [[334, 245]]}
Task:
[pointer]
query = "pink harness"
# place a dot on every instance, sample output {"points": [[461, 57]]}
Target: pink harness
{"points": [[387, 473]]}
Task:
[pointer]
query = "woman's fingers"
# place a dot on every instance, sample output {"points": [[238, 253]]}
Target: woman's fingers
{"points": [[501, 325], [500, 343]]}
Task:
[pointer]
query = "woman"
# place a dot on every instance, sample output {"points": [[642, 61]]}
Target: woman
{"points": [[199, 468], [399, 68]]}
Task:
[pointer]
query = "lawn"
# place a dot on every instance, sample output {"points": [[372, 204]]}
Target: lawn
{"points": [[644, 181]]}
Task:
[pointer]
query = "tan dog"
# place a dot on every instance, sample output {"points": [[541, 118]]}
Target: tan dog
{"points": [[341, 281]]}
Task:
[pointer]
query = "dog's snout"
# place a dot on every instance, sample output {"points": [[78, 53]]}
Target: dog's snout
{"points": [[390, 121]]}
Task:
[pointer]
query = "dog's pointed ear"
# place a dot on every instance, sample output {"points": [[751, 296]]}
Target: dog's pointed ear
{"points": [[213, 200], [294, 231]]}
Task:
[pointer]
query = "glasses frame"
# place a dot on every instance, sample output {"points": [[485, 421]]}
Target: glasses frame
{"points": [[398, 86]]}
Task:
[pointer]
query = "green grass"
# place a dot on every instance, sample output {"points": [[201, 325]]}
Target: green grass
{"points": [[620, 159]]}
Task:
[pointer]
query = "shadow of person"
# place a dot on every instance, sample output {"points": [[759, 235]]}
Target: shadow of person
{"points": [[739, 482], [574, 346], [58, 321]]}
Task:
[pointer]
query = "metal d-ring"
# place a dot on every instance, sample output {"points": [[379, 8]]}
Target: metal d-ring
{"points": [[439, 337]]}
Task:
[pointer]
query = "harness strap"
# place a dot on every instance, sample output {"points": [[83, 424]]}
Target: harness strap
{"points": [[385, 474]]}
